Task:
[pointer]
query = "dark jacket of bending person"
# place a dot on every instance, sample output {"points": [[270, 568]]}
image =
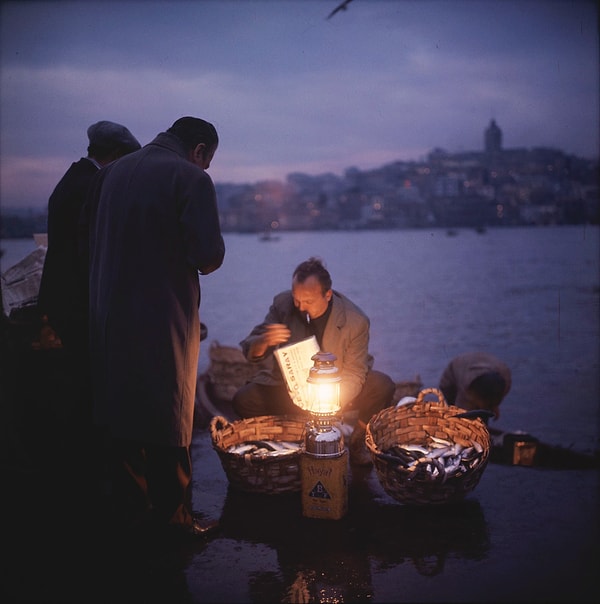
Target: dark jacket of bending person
{"points": [[476, 380]]}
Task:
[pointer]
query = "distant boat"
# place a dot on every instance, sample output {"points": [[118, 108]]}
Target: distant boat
{"points": [[267, 235]]}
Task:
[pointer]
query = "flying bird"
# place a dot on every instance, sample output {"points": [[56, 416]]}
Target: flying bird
{"points": [[342, 6]]}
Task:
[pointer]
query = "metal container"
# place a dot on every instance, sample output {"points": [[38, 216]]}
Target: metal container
{"points": [[324, 470], [323, 440], [520, 448]]}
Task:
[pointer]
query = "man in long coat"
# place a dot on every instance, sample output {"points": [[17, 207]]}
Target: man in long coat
{"points": [[153, 226], [63, 289], [63, 301]]}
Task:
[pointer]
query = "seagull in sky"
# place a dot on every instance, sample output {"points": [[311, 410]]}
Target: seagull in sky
{"points": [[342, 6]]}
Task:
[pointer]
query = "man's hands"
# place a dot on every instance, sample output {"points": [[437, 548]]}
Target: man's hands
{"points": [[274, 334]]}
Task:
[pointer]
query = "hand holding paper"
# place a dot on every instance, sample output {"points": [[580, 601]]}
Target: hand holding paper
{"points": [[275, 334], [295, 361]]}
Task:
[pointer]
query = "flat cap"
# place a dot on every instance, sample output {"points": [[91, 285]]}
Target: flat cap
{"points": [[109, 135]]}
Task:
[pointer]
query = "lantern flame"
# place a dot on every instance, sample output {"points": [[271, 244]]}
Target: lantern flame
{"points": [[324, 386]]}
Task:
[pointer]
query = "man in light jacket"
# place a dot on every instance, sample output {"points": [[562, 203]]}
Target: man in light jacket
{"points": [[312, 307]]}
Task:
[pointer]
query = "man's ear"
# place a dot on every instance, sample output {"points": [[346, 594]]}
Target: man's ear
{"points": [[200, 151]]}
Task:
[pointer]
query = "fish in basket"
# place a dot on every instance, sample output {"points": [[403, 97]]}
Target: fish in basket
{"points": [[425, 452], [260, 454]]}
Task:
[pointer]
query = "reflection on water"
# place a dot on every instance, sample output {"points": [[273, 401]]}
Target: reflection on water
{"points": [[427, 536], [318, 560], [423, 536], [332, 561]]}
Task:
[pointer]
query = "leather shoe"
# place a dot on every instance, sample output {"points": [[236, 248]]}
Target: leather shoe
{"points": [[202, 528], [198, 529]]}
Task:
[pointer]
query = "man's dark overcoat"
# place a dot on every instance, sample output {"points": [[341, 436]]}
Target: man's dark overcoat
{"points": [[63, 288], [153, 226]]}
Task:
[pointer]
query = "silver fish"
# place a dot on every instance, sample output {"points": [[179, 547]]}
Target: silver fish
{"points": [[441, 441], [418, 448], [262, 448], [241, 449], [437, 460]]}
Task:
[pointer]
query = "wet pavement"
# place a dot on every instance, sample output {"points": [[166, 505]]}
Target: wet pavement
{"points": [[523, 535]]}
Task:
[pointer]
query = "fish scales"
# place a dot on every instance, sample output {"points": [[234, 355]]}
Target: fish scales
{"points": [[265, 448]]}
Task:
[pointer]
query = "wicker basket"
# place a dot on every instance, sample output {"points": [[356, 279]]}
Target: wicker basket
{"points": [[228, 370], [414, 424], [254, 473]]}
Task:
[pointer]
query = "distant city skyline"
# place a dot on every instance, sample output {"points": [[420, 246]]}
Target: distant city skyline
{"points": [[341, 173], [290, 90]]}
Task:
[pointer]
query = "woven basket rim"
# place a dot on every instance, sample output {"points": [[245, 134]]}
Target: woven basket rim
{"points": [[265, 474], [447, 413], [219, 423]]}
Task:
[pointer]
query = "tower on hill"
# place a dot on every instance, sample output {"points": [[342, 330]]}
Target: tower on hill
{"points": [[493, 138]]}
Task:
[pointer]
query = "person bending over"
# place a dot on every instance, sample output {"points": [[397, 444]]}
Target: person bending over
{"points": [[476, 380]]}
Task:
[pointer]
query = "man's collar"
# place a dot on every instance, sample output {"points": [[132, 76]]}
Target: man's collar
{"points": [[94, 162]]}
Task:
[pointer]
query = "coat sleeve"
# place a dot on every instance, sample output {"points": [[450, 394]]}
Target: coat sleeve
{"points": [[276, 314], [203, 240], [356, 362]]}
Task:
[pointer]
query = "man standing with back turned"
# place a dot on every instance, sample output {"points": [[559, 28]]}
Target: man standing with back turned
{"points": [[154, 226], [63, 289], [63, 300]]}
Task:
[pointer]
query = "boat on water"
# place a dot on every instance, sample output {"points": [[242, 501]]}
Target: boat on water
{"points": [[270, 232], [268, 236]]}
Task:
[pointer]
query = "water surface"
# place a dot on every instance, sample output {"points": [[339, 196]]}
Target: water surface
{"points": [[529, 295]]}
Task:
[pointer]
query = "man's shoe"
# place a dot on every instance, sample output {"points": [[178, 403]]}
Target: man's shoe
{"points": [[198, 529], [359, 454], [202, 528]]}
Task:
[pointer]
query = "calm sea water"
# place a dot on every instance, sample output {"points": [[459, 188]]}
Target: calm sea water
{"points": [[528, 295]]}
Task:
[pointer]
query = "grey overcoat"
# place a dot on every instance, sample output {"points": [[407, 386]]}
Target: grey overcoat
{"points": [[153, 226]]}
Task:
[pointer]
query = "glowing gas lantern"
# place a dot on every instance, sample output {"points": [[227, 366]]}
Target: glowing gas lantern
{"points": [[324, 388], [324, 465]]}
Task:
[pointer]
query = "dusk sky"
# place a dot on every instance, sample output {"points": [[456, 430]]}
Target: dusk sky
{"points": [[290, 90]]}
